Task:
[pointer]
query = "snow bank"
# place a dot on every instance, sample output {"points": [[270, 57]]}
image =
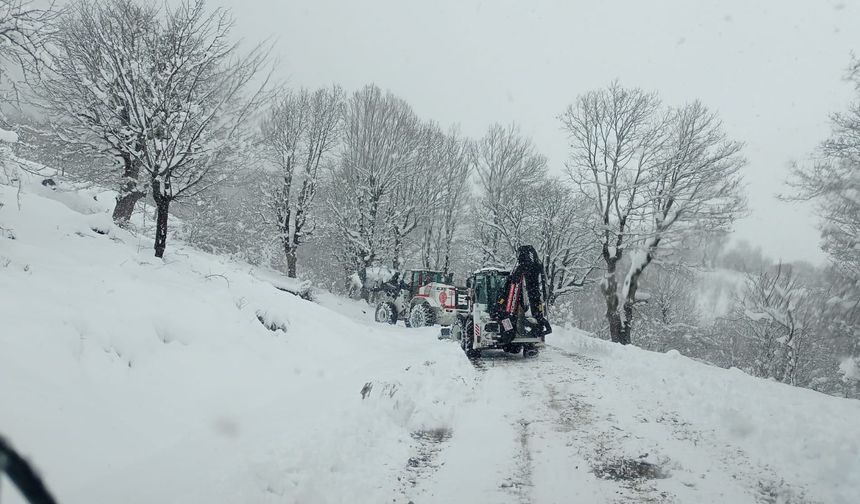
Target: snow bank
{"points": [[132, 379], [806, 437], [301, 288], [8, 136]]}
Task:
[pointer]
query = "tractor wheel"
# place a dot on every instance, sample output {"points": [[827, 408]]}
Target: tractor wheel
{"points": [[386, 312], [466, 341], [466, 335], [422, 315]]}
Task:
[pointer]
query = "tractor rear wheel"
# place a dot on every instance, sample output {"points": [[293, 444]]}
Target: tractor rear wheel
{"points": [[422, 315], [386, 312]]}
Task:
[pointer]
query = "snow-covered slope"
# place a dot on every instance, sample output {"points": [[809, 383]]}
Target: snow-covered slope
{"points": [[130, 379], [192, 379]]}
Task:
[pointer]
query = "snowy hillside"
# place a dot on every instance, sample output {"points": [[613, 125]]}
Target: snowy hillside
{"points": [[192, 379], [130, 379]]}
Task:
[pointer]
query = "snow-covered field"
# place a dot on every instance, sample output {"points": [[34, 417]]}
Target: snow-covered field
{"points": [[192, 379]]}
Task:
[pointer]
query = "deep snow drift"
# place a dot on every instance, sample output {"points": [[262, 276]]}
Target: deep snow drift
{"points": [[126, 378]]}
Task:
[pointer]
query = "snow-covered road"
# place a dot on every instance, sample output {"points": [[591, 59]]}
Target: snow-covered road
{"points": [[561, 428]]}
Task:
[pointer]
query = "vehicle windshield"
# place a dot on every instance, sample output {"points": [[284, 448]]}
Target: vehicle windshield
{"points": [[487, 287], [420, 278]]}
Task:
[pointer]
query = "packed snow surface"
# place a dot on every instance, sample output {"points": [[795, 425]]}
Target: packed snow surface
{"points": [[192, 379]]}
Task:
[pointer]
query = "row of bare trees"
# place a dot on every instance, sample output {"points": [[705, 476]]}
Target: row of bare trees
{"points": [[168, 95], [345, 182]]}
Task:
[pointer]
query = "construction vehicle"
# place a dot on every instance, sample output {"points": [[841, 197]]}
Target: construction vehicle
{"points": [[421, 298], [479, 330], [505, 310]]}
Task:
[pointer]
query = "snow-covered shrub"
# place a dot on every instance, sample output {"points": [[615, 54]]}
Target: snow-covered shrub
{"points": [[226, 219], [667, 311]]}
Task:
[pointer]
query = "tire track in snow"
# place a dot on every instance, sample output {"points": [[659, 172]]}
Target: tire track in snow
{"points": [[528, 439], [426, 447], [579, 439]]}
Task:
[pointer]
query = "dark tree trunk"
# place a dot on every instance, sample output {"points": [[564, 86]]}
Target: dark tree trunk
{"points": [[398, 249], [612, 315], [627, 325], [129, 194], [610, 293], [162, 205], [291, 252], [125, 203], [362, 275], [615, 324]]}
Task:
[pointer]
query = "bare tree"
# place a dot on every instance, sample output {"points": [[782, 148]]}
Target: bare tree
{"points": [[563, 238], [506, 162], [548, 216], [453, 164], [416, 191], [299, 134], [164, 91], [100, 64], [379, 139], [202, 101], [650, 175]]}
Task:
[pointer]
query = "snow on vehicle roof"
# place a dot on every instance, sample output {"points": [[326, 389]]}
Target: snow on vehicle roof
{"points": [[491, 268]]}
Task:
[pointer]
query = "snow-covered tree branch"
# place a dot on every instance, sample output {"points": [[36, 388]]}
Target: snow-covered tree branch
{"points": [[167, 92], [775, 304], [380, 136], [453, 165], [299, 134], [506, 163], [651, 176], [25, 28], [89, 93], [832, 182]]}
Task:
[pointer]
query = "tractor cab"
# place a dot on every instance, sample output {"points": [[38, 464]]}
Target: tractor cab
{"points": [[416, 279]]}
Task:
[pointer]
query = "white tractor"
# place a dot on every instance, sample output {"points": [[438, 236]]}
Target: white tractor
{"points": [[421, 298]]}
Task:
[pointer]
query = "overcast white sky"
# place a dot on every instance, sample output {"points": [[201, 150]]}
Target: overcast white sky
{"points": [[772, 69]]}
